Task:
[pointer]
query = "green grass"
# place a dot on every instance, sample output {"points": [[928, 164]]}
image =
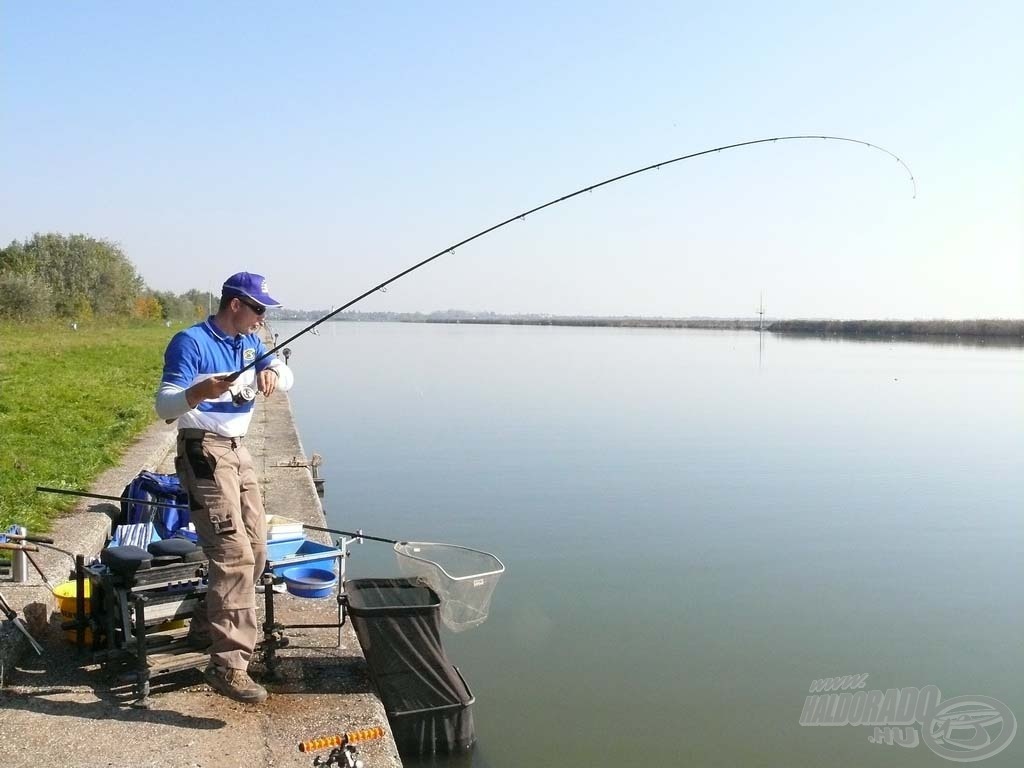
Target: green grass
{"points": [[70, 403]]}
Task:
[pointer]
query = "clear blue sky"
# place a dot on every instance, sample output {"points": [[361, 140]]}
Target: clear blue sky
{"points": [[331, 145]]}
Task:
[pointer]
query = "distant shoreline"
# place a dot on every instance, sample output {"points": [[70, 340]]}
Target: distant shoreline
{"points": [[1006, 330]]}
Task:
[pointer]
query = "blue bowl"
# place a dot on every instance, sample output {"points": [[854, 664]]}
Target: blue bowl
{"points": [[308, 581]]}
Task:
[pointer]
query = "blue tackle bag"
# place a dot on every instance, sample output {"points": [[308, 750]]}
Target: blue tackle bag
{"points": [[166, 489]]}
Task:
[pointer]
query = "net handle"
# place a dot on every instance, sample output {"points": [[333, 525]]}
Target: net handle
{"points": [[353, 534]]}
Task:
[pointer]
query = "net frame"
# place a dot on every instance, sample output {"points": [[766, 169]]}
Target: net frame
{"points": [[465, 599]]}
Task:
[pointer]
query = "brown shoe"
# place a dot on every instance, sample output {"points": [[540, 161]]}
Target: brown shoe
{"points": [[235, 684]]}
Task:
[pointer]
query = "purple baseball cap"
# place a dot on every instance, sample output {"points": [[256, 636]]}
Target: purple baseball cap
{"points": [[251, 286]]}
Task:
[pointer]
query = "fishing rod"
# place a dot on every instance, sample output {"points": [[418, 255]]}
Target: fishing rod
{"points": [[522, 217], [12, 616], [110, 498]]}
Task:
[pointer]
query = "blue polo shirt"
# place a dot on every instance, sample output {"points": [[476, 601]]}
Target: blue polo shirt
{"points": [[203, 351]]}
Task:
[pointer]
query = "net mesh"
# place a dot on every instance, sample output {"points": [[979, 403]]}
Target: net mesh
{"points": [[463, 578]]}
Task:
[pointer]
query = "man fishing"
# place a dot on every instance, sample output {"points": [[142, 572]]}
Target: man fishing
{"points": [[202, 389]]}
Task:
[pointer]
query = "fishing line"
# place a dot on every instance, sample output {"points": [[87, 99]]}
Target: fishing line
{"points": [[522, 217]]}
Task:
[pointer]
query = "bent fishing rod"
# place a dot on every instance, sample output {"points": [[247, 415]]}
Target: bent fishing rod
{"points": [[522, 217]]}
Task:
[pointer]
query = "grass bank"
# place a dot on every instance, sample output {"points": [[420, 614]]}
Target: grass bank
{"points": [[70, 402]]}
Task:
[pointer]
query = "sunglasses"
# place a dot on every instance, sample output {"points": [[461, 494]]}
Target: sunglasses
{"points": [[259, 309]]}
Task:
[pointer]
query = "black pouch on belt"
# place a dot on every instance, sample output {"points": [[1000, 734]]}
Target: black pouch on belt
{"points": [[201, 464]]}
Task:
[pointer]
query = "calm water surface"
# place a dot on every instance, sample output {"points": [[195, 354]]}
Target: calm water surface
{"points": [[695, 526]]}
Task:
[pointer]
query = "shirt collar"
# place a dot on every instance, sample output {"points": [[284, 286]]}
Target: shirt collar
{"points": [[217, 333]]}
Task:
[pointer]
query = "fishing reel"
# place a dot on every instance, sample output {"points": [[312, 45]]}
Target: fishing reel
{"points": [[243, 395]]}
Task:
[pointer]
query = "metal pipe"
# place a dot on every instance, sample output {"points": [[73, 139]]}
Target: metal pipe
{"points": [[19, 563]]}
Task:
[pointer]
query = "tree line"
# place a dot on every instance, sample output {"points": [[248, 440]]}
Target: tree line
{"points": [[982, 328], [77, 277], [1001, 329]]}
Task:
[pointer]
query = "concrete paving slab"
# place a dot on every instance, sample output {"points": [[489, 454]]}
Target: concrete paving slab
{"points": [[62, 709]]}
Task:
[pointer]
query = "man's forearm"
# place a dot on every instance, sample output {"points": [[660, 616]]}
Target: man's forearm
{"points": [[172, 402]]}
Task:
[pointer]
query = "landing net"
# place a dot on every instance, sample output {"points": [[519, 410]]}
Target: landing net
{"points": [[463, 578]]}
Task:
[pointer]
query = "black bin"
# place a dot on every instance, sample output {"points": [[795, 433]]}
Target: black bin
{"points": [[428, 703]]}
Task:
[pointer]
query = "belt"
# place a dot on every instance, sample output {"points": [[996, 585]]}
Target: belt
{"points": [[213, 437]]}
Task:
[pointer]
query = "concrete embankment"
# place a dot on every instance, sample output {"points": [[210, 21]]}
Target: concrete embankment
{"points": [[63, 709]]}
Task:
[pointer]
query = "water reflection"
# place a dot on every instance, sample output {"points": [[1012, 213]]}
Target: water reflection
{"points": [[694, 530], [995, 342]]}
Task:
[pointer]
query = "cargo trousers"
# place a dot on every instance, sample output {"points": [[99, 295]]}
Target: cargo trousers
{"points": [[227, 510]]}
